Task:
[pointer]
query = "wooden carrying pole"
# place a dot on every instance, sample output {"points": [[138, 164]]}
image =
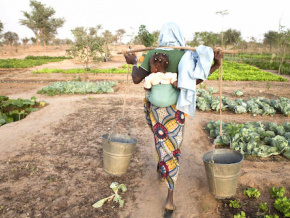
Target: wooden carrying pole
{"points": [[174, 47]]}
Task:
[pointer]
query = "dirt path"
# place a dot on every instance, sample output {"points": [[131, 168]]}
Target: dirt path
{"points": [[18, 134]]}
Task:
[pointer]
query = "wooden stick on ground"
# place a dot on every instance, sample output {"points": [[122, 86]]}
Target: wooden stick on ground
{"points": [[174, 47]]}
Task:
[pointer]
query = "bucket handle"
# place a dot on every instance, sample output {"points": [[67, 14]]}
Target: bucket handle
{"points": [[114, 125], [220, 103]]}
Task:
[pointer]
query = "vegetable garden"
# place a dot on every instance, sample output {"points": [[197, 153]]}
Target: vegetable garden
{"points": [[57, 171]]}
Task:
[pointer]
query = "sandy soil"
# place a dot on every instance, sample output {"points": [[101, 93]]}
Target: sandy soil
{"points": [[51, 161]]}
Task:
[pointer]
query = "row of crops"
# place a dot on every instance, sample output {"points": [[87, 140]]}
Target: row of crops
{"points": [[267, 61], [256, 56], [206, 101], [30, 61], [232, 72], [12, 110], [80, 70], [253, 138], [74, 87]]}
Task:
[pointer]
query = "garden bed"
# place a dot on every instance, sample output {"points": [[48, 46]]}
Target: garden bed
{"points": [[29, 61]]}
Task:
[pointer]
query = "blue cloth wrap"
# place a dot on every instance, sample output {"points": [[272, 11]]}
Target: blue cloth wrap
{"points": [[192, 66]]}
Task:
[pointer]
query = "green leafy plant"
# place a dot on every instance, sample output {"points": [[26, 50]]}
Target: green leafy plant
{"points": [[268, 85], [202, 85], [272, 216], [12, 110], [257, 106], [212, 90], [238, 93], [263, 207], [252, 193], [283, 205], [240, 215], [76, 87], [234, 204], [252, 138], [115, 197], [277, 192]]}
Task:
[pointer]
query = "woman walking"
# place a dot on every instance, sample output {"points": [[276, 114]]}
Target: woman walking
{"points": [[167, 121]]}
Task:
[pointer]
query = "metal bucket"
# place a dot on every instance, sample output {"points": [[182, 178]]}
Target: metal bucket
{"points": [[224, 172], [117, 152]]}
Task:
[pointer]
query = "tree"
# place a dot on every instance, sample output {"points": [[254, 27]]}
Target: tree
{"points": [[232, 37], [108, 36], [33, 40], [1, 26], [87, 46], [108, 39], [57, 41], [98, 28], [284, 43], [119, 34], [68, 42], [11, 38], [146, 38], [156, 34], [206, 38], [41, 21], [271, 38], [1, 29], [137, 40], [243, 45], [25, 41]]}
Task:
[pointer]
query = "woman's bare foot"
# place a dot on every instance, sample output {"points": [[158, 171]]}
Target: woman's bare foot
{"points": [[169, 201]]}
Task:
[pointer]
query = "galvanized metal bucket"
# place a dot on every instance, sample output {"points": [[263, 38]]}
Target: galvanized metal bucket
{"points": [[117, 152], [223, 172]]}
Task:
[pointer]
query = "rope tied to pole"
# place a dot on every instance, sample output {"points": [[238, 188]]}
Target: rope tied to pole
{"points": [[127, 84], [220, 109]]}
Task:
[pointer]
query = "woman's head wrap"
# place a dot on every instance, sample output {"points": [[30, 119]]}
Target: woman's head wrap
{"points": [[171, 35]]}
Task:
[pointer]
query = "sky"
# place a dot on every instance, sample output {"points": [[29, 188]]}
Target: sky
{"points": [[253, 18]]}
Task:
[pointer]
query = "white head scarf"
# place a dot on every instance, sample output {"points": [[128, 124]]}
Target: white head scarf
{"points": [[171, 35]]}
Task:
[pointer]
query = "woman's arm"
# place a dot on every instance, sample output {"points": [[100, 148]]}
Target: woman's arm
{"points": [[218, 55], [138, 73]]}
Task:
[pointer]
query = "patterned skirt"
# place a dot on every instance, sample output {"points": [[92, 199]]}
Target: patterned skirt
{"points": [[167, 125]]}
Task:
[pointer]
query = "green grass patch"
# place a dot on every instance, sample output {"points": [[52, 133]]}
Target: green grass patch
{"points": [[29, 61]]}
